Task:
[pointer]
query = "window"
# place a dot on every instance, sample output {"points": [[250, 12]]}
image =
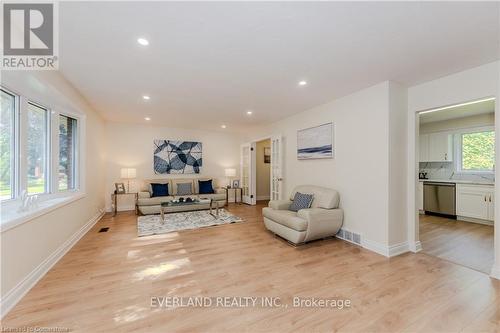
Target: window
{"points": [[477, 151], [37, 149], [67, 153], [7, 145]]}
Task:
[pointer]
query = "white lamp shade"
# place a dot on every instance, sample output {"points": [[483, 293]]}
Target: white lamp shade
{"points": [[230, 172], [128, 173]]}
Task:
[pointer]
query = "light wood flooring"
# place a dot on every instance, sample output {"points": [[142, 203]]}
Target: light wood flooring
{"points": [[464, 243], [105, 284]]}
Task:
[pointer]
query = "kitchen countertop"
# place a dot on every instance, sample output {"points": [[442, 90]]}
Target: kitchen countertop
{"points": [[459, 181]]}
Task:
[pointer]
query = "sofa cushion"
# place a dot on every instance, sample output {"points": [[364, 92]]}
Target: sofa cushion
{"points": [[205, 187], [159, 190], [301, 201], [213, 196], [323, 197], [153, 201], [285, 217], [184, 188]]}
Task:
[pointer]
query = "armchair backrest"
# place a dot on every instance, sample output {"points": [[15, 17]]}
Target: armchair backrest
{"points": [[323, 197]]}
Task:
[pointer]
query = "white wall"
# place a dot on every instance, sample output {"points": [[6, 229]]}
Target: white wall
{"points": [[131, 145], [26, 246], [473, 84], [479, 120], [360, 169], [263, 175]]}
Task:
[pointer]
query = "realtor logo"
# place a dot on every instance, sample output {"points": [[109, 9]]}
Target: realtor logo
{"points": [[29, 36]]}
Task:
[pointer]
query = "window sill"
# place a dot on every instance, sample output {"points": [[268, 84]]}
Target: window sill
{"points": [[11, 218]]}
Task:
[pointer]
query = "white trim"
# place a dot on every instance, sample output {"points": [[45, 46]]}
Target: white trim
{"points": [[15, 219], [13, 296], [495, 272], [415, 247], [474, 220], [386, 251]]}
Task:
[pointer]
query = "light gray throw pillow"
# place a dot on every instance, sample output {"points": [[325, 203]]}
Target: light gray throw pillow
{"points": [[184, 189], [301, 201]]}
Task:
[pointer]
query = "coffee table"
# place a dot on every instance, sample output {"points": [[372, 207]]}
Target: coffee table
{"points": [[203, 204]]}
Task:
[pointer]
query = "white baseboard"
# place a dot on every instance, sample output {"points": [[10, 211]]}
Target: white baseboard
{"points": [[264, 197], [495, 272], [415, 247], [474, 220], [386, 251], [13, 296]]}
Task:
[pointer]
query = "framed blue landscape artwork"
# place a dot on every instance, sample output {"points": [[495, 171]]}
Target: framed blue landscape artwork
{"points": [[315, 142], [173, 157]]}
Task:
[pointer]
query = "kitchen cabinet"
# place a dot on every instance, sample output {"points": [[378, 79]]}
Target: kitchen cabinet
{"points": [[420, 196], [436, 147], [475, 201]]}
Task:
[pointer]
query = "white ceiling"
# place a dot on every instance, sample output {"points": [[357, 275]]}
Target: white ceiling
{"points": [[458, 112], [208, 63]]}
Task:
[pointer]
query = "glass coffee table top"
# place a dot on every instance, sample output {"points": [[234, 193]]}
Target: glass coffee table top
{"points": [[184, 203]]}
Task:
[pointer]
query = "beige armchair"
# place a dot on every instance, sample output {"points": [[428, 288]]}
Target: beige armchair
{"points": [[322, 220]]}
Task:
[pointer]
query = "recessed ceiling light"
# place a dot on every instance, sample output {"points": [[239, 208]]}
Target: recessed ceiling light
{"points": [[143, 41], [302, 83], [147, 118], [146, 97], [223, 126], [249, 112]]}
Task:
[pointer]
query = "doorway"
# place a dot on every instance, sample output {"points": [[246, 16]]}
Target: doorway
{"points": [[261, 169], [455, 191]]}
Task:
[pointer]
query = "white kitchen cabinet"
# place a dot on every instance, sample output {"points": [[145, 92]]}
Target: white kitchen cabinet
{"points": [[424, 147], [420, 195], [436, 147], [475, 201]]}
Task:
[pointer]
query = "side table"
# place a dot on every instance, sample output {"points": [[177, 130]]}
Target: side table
{"points": [[114, 198], [235, 192]]}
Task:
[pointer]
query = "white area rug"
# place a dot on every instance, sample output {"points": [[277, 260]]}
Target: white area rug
{"points": [[153, 224]]}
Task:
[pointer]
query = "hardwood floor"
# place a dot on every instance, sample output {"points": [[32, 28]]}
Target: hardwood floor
{"points": [[105, 284], [464, 243]]}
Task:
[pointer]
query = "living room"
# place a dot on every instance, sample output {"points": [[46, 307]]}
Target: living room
{"points": [[169, 113]]}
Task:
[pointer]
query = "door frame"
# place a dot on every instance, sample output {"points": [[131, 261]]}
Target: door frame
{"points": [[252, 172], [413, 169]]}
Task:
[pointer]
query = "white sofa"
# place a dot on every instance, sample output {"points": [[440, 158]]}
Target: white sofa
{"points": [[148, 205], [323, 219]]}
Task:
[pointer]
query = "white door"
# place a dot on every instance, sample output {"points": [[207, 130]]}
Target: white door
{"points": [[277, 187], [248, 172]]}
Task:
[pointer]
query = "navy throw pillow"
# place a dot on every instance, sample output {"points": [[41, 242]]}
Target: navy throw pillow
{"points": [[205, 186], [159, 190], [301, 201]]}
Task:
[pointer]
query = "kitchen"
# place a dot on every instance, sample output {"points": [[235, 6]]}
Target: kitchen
{"points": [[456, 183]]}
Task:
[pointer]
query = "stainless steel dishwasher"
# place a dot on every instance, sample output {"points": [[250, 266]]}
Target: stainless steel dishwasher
{"points": [[439, 198]]}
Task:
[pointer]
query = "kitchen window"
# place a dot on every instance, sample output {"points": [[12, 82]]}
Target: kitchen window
{"points": [[476, 151]]}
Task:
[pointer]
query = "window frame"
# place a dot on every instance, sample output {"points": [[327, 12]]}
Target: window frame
{"points": [[458, 150], [76, 147], [14, 158]]}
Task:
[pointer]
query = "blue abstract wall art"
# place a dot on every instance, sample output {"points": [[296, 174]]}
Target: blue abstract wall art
{"points": [[315, 142], [174, 157]]}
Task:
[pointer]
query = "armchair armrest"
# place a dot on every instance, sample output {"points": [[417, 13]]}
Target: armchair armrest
{"points": [[220, 190], [321, 222], [280, 204], [143, 195]]}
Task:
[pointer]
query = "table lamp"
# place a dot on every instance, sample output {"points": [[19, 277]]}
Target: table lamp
{"points": [[128, 173], [230, 173]]}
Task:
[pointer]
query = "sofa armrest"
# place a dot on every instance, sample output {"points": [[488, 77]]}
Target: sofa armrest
{"points": [[143, 195], [280, 204], [220, 190], [321, 222]]}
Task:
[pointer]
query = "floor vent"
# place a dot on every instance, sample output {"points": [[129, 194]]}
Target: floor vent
{"points": [[349, 236], [104, 229]]}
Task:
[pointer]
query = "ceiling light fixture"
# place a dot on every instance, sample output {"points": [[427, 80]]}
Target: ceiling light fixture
{"points": [[146, 97], [458, 105], [223, 126], [147, 118], [302, 83], [249, 112], [143, 41]]}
